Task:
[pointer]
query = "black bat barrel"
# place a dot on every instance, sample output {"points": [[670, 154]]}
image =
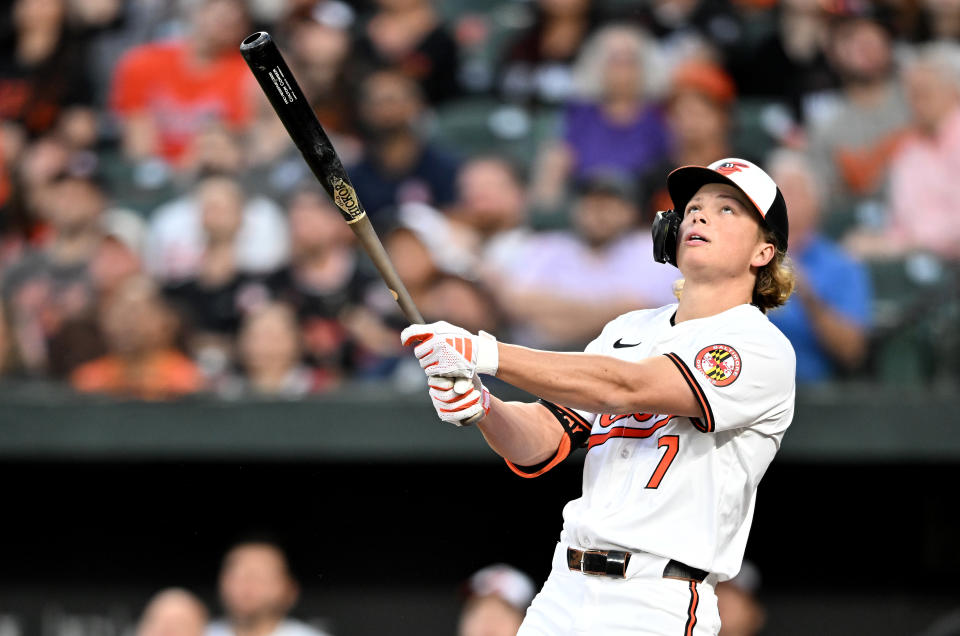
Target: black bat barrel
{"points": [[281, 88]]}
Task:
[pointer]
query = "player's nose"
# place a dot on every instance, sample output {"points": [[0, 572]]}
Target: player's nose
{"points": [[698, 216]]}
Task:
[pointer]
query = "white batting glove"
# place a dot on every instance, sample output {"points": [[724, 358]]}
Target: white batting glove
{"points": [[460, 401], [448, 350]]}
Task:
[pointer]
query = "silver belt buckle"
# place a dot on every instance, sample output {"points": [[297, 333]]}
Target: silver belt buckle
{"points": [[583, 561]]}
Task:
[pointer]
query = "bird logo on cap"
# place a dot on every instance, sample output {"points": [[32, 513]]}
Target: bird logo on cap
{"points": [[730, 167]]}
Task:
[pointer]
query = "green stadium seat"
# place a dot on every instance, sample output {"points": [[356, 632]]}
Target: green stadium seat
{"points": [[914, 334], [480, 125]]}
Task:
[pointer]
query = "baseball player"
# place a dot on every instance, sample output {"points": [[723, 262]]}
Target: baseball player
{"points": [[681, 410]]}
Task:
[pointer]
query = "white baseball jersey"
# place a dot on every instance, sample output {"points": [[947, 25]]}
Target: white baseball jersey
{"points": [[678, 487]]}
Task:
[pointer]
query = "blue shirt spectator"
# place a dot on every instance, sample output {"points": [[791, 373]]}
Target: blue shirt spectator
{"points": [[835, 280], [827, 318]]}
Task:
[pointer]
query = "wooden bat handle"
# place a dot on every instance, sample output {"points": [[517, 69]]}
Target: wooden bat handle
{"points": [[371, 243]]}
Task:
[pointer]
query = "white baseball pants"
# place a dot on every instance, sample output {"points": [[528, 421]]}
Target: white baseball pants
{"points": [[644, 603]]}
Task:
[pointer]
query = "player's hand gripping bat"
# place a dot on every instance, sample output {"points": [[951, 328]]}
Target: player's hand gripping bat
{"points": [[286, 97], [298, 118]]}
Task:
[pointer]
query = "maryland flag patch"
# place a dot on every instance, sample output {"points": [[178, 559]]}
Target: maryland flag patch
{"points": [[720, 363]]}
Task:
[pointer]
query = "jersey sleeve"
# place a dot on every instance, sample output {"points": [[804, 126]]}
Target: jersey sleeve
{"points": [[742, 378]]}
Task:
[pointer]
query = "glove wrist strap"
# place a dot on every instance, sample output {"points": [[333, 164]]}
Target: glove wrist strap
{"points": [[488, 354]]}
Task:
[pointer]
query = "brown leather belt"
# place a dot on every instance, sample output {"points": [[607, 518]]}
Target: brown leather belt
{"points": [[613, 563]]}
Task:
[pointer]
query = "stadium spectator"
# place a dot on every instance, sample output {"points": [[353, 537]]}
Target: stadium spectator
{"points": [[851, 150], [698, 114], [790, 66], [213, 301], [257, 591], [141, 360], [320, 48], [827, 319], [173, 612], [51, 285], [437, 257], [686, 25], [38, 165], [326, 285], [216, 150], [612, 124], [741, 614], [571, 283], [220, 292], [923, 176], [164, 93], [271, 356], [120, 253], [939, 20], [456, 298], [43, 74], [176, 240], [492, 201], [398, 164], [537, 66], [410, 37], [12, 142], [497, 598]]}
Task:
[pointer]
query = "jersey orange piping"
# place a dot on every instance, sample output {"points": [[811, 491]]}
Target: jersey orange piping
{"points": [[692, 610], [707, 424]]}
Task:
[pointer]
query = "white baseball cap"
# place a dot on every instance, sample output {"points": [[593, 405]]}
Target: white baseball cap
{"points": [[683, 183]]}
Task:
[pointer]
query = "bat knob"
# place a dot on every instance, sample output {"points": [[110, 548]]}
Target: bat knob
{"points": [[255, 41]]}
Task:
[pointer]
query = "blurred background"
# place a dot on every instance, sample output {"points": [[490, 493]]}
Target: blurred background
{"points": [[207, 422]]}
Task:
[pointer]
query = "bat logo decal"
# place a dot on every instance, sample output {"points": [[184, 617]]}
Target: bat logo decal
{"points": [[346, 199]]}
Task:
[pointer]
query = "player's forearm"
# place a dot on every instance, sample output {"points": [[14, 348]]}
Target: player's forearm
{"points": [[596, 383], [526, 434]]}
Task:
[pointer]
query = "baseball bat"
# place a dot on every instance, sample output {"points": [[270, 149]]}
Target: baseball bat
{"points": [[281, 88]]}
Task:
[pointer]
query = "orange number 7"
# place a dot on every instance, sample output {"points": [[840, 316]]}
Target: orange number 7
{"points": [[672, 442]]}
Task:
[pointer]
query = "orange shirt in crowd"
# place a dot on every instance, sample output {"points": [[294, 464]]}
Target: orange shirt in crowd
{"points": [[167, 374], [161, 79]]}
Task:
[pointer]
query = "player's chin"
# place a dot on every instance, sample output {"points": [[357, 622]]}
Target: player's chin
{"points": [[694, 257]]}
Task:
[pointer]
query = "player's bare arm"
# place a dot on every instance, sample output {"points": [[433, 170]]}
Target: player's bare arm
{"points": [[599, 384], [520, 432]]}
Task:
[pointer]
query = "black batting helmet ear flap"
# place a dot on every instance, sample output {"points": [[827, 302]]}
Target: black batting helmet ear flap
{"points": [[666, 227]]}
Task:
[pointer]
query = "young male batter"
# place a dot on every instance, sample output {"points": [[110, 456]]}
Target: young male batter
{"points": [[681, 410]]}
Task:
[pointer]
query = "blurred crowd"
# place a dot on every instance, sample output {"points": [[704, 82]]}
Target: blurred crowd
{"points": [[257, 591], [161, 236]]}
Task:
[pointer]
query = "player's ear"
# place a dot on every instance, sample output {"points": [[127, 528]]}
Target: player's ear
{"points": [[763, 254]]}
